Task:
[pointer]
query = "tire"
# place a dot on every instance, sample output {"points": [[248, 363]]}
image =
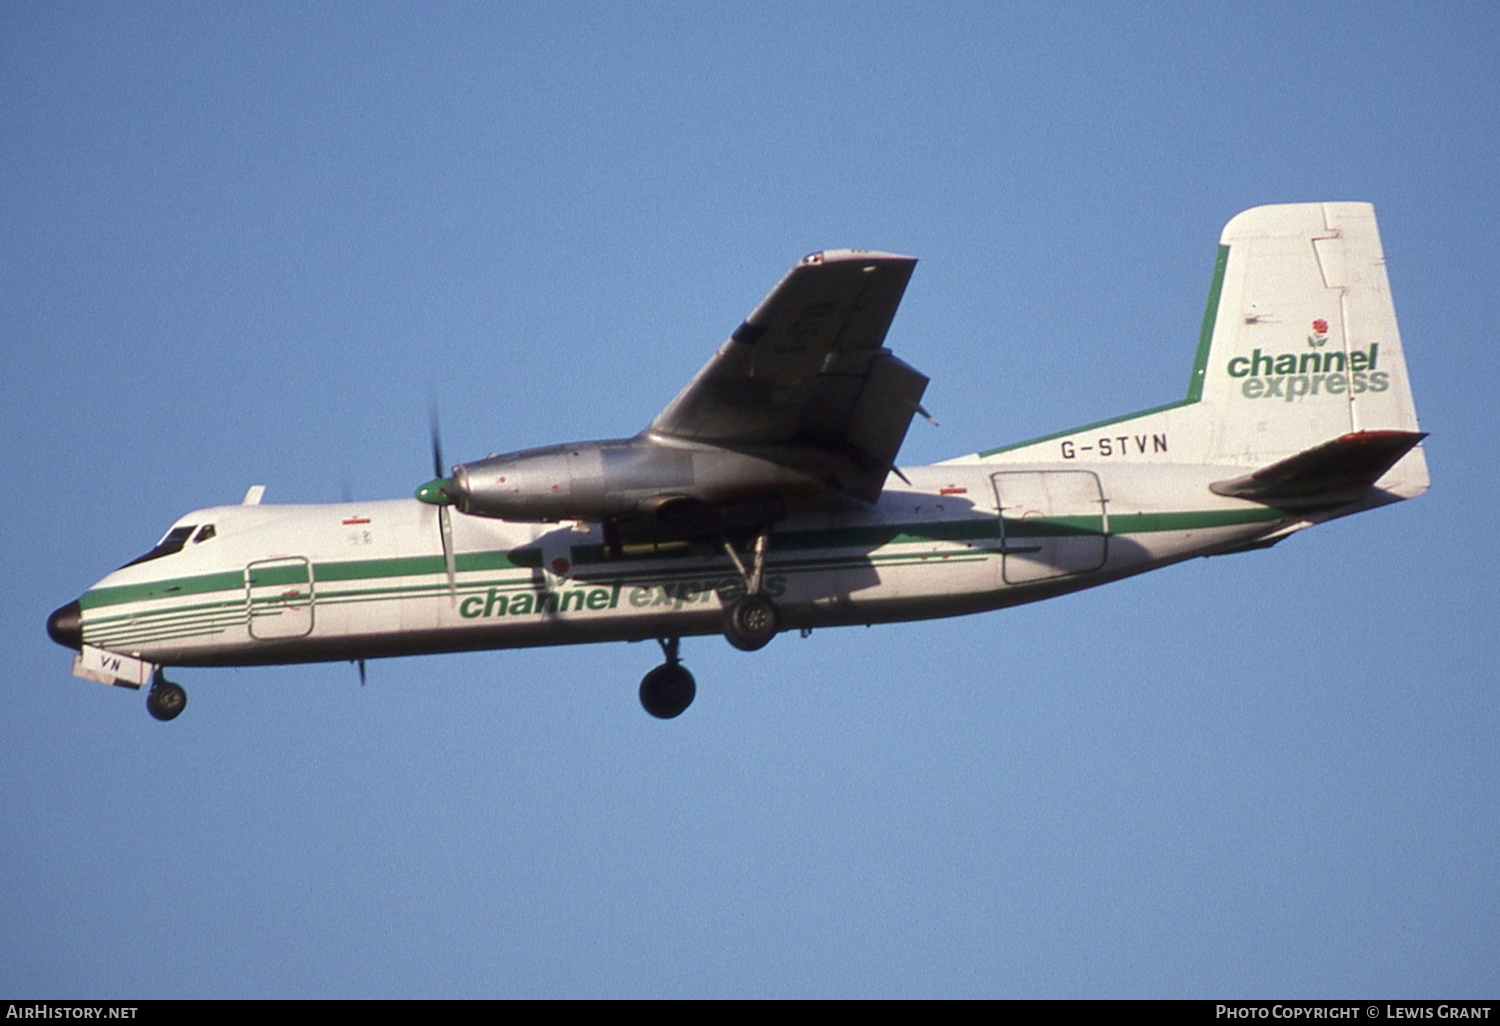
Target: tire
{"points": [[166, 700], [751, 621], [668, 690]]}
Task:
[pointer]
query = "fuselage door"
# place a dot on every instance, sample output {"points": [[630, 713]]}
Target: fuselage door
{"points": [[1052, 523], [279, 593]]}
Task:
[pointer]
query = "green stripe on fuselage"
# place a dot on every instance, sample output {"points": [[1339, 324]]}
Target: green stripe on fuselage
{"points": [[871, 538], [176, 587], [344, 570]]}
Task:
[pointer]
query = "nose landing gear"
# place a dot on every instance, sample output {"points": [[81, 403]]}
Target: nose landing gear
{"points": [[669, 689], [165, 700]]}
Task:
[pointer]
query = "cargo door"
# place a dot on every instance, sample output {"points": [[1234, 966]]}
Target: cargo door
{"points": [[1052, 524], [280, 598]]}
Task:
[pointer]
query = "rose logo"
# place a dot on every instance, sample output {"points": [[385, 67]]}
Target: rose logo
{"points": [[1319, 334]]}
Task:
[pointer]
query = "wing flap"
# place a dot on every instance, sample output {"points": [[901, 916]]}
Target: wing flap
{"points": [[891, 395]]}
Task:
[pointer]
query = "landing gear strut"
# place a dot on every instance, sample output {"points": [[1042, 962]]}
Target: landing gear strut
{"points": [[669, 689], [165, 700], [752, 620]]}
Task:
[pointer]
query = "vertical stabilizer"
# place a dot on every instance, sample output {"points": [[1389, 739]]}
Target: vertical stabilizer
{"points": [[1305, 346], [1299, 347]]}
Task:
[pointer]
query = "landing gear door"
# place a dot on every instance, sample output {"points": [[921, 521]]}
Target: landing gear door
{"points": [[279, 594], [1052, 524]]}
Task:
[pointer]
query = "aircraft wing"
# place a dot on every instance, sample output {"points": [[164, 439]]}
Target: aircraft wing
{"points": [[808, 371]]}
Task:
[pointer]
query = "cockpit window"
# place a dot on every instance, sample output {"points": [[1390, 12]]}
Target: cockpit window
{"points": [[175, 539], [204, 534]]}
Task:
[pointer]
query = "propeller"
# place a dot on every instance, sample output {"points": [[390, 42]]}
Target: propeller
{"points": [[436, 493]]}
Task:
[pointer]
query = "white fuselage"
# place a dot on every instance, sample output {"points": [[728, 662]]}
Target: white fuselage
{"points": [[301, 583]]}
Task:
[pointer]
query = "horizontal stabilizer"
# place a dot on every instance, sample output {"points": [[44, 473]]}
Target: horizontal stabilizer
{"points": [[1332, 470]]}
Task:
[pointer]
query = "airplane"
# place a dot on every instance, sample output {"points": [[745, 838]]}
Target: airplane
{"points": [[766, 497]]}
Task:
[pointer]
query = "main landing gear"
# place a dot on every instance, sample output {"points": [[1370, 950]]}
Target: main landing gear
{"points": [[669, 689], [165, 700], [752, 620]]}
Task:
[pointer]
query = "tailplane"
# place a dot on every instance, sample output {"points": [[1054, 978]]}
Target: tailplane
{"points": [[1332, 472]]}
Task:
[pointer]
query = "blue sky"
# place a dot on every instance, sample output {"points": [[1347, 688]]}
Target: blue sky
{"points": [[246, 244]]}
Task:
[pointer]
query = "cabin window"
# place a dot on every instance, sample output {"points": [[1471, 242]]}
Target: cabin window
{"points": [[204, 534], [175, 539]]}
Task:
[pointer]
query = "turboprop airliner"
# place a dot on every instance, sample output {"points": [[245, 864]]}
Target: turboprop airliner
{"points": [[766, 497]]}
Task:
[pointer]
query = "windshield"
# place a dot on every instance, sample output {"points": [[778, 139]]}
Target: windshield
{"points": [[175, 539]]}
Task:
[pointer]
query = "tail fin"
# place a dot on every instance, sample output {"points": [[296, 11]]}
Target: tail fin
{"points": [[1305, 347], [1299, 348]]}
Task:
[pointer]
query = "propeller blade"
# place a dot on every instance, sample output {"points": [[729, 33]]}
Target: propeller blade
{"points": [[440, 490], [437, 443], [435, 492], [445, 529], [361, 673]]}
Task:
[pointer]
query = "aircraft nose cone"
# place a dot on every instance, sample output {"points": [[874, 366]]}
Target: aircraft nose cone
{"points": [[65, 625]]}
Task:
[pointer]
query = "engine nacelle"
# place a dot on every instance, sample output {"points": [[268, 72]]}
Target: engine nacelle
{"points": [[621, 479]]}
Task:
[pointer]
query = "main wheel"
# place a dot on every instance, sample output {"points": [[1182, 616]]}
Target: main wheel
{"points": [[751, 621], [166, 700], [667, 690]]}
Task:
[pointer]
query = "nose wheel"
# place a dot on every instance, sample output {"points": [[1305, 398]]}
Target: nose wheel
{"points": [[669, 689], [165, 700]]}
